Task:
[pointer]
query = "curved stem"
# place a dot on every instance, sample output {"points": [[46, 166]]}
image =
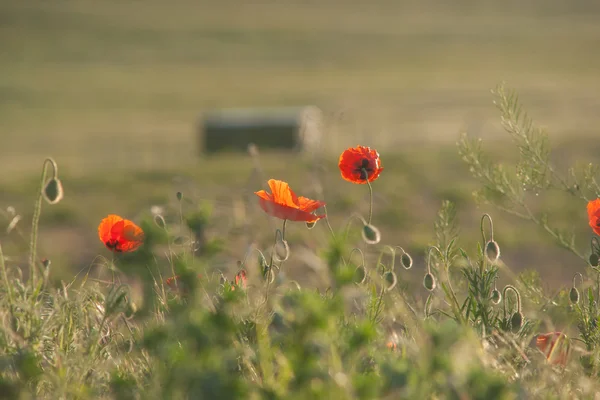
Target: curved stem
{"points": [[328, 223], [36, 219], [362, 254], [370, 195], [489, 218], [575, 277], [349, 223], [516, 292]]}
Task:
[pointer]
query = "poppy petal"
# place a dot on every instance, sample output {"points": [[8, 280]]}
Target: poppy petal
{"points": [[309, 205], [282, 194], [105, 227], [286, 212]]}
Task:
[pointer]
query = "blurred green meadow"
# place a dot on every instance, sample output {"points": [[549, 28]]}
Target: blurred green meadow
{"points": [[114, 92]]}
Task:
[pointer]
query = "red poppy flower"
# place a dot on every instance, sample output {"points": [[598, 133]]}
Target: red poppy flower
{"points": [[241, 280], [120, 235], [283, 203], [360, 164], [593, 209], [555, 346]]}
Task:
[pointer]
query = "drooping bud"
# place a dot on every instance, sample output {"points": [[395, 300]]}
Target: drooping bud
{"points": [[574, 295], [429, 282], [371, 234], [311, 225], [360, 274], [53, 191], [179, 196], [160, 221], [496, 296], [594, 260], [516, 321], [492, 250], [390, 279], [406, 260]]}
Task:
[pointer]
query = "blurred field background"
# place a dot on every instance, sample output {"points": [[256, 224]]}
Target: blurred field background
{"points": [[114, 91]]}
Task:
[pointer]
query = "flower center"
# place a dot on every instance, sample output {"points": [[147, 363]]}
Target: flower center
{"points": [[364, 169], [113, 245]]}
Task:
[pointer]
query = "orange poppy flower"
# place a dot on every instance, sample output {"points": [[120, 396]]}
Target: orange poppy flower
{"points": [[120, 235], [593, 209], [241, 280], [283, 203], [555, 346], [360, 164]]}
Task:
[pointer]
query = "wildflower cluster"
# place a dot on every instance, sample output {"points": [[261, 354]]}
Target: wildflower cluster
{"points": [[381, 323]]}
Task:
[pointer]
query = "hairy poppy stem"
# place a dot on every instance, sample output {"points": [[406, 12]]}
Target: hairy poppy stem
{"points": [[36, 220], [370, 196], [327, 222]]}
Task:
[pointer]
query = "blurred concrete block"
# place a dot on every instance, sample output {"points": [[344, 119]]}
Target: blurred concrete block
{"points": [[296, 129]]}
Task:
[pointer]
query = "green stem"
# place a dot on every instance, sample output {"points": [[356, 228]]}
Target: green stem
{"points": [[36, 220], [328, 223], [8, 285], [370, 197]]}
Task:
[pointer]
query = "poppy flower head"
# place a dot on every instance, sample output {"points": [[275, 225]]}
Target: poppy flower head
{"points": [[360, 164], [555, 346], [593, 209], [120, 235], [241, 280], [283, 203]]}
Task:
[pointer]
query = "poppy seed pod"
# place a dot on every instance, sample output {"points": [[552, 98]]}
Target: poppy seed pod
{"points": [[371, 234], [53, 191], [429, 282], [574, 295], [496, 296], [406, 261], [594, 260], [516, 321], [492, 250]]}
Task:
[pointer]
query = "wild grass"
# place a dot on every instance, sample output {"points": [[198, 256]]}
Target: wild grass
{"points": [[352, 325]]}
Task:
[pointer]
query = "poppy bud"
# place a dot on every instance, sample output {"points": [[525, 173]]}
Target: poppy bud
{"points": [[492, 250], [46, 262], [53, 192], [160, 221], [574, 295], [282, 250], [179, 196], [516, 321], [360, 274], [391, 280], [371, 234], [130, 310], [496, 297], [406, 261], [429, 282], [594, 260]]}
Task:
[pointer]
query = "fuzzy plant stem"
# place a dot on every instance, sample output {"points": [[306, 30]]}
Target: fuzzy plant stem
{"points": [[36, 220], [370, 196]]}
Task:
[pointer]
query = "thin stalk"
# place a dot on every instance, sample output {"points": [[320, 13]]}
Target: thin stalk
{"points": [[36, 220]]}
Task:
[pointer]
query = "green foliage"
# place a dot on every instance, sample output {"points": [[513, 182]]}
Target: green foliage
{"points": [[362, 333]]}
